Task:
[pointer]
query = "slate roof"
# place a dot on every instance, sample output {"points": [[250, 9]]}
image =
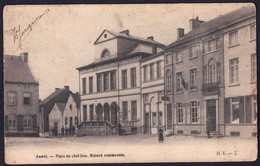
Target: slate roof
{"points": [[123, 35], [217, 23], [61, 106], [16, 70], [58, 96]]}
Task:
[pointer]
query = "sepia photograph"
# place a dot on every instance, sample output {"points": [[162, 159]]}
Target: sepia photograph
{"points": [[130, 83]]}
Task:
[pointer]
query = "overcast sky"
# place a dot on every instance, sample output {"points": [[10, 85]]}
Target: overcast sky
{"points": [[62, 38]]}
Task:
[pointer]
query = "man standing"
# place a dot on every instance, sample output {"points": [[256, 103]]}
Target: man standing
{"points": [[208, 126]]}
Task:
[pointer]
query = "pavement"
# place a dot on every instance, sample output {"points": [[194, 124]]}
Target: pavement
{"points": [[134, 148]]}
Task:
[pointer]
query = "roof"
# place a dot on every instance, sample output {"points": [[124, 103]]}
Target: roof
{"points": [[217, 23], [17, 71], [123, 35], [61, 106], [58, 96]]}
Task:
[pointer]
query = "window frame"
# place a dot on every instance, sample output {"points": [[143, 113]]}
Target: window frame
{"points": [[99, 82], [158, 69], [133, 77], [234, 68], [180, 113], [30, 100], [124, 110], [231, 41], [193, 79], [194, 110], [14, 98], [124, 79], [179, 82], [232, 111], [112, 80], [134, 110], [179, 56], [253, 67], [106, 81], [168, 81], [151, 71], [252, 32], [90, 79], [84, 85]]}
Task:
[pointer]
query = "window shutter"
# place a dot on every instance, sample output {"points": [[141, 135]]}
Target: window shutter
{"points": [[248, 109], [34, 120], [218, 73], [184, 113], [6, 122], [227, 110], [205, 74], [198, 113], [241, 109], [174, 114], [188, 113]]}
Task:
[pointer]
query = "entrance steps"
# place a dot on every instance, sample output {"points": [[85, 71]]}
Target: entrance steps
{"points": [[96, 128], [213, 134]]}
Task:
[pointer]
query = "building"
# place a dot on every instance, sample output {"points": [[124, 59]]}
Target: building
{"points": [[240, 63], [110, 87], [62, 104], [152, 90], [197, 79], [64, 114], [21, 97]]}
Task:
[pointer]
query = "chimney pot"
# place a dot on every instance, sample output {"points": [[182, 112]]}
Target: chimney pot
{"points": [[194, 23], [125, 32], [67, 87], [57, 89], [150, 38], [24, 56], [180, 33]]}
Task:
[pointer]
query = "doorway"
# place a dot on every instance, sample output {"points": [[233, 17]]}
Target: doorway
{"points": [[146, 123], [211, 114]]}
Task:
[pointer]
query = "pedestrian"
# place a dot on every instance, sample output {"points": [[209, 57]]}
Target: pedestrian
{"points": [[66, 131], [208, 126], [160, 136], [73, 130], [53, 130], [70, 131], [62, 131]]}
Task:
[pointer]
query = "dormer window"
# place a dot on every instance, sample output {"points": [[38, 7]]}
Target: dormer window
{"points": [[105, 53]]}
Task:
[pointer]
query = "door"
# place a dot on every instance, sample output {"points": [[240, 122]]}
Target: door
{"points": [[113, 116], [169, 116], [211, 114], [20, 123], [146, 123]]}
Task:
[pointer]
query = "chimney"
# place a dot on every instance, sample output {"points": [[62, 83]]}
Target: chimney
{"points": [[57, 89], [150, 38], [125, 32], [194, 23], [67, 87], [24, 56], [180, 33]]}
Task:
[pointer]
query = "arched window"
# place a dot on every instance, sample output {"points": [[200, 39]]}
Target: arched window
{"points": [[105, 53], [168, 80], [212, 71]]}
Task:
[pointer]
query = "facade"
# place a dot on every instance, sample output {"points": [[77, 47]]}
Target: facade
{"points": [[196, 77], [64, 114], [152, 90], [241, 76], [62, 104], [21, 97], [110, 87]]}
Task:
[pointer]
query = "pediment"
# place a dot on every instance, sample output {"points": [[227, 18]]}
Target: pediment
{"points": [[104, 36]]}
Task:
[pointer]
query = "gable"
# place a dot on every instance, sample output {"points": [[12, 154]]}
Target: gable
{"points": [[105, 36]]}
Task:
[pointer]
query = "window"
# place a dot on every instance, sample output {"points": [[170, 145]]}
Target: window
{"points": [[235, 110], [233, 71], [76, 121], [84, 113], [145, 74], [252, 32], [11, 98], [194, 111], [179, 82], [113, 80], [179, 113], [158, 65], [106, 82], [105, 53], [255, 109], [168, 80], [125, 111], [178, 56], [159, 96], [253, 68], [66, 121], [27, 98], [99, 82], [134, 110], [212, 71], [27, 121], [193, 79], [167, 59], [12, 122], [211, 45], [91, 112], [233, 38], [193, 52], [70, 107], [133, 77], [71, 121], [146, 98], [124, 79], [84, 85], [90, 84], [153, 118], [160, 118], [151, 71]]}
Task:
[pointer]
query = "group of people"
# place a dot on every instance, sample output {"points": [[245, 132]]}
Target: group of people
{"points": [[64, 131]]}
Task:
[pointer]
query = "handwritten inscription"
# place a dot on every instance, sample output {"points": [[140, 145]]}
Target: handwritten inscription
{"points": [[20, 35], [224, 153]]}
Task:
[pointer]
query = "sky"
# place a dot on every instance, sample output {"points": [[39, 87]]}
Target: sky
{"points": [[60, 38]]}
